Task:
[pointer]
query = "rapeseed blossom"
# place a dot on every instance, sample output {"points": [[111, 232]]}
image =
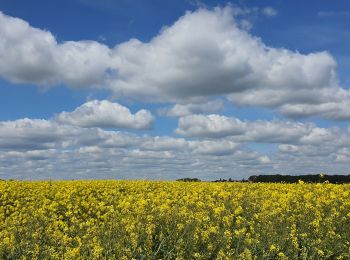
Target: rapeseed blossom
{"points": [[173, 220]]}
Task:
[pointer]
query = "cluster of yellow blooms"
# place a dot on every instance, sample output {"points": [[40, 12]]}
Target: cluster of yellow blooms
{"points": [[173, 220]]}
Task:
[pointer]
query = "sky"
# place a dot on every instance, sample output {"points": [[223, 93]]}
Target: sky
{"points": [[136, 89]]}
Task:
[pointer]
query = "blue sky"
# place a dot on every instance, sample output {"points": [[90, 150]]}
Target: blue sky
{"points": [[164, 90]]}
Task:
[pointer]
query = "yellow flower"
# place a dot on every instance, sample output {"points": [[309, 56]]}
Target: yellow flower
{"points": [[157, 219], [273, 247]]}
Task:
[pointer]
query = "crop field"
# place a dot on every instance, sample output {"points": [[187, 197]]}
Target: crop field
{"points": [[173, 220]]}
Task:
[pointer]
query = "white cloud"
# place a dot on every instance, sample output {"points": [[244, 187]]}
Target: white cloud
{"points": [[320, 135], [228, 61], [203, 54], [42, 149], [209, 126], [109, 139], [37, 134], [264, 159], [103, 113], [79, 128], [216, 148], [288, 148], [164, 143], [336, 109], [32, 148], [90, 149], [151, 154], [215, 126], [180, 110], [33, 134], [269, 11], [262, 131], [30, 155], [343, 155], [275, 131], [31, 55]]}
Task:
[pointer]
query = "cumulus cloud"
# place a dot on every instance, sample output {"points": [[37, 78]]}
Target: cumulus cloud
{"points": [[39, 149], [217, 126], [80, 128], [209, 126], [150, 154], [38, 134], [336, 109], [288, 148], [217, 148], [104, 113], [30, 154], [204, 53], [33, 148], [180, 110], [32, 134], [343, 155], [228, 61], [164, 143], [31, 55]]}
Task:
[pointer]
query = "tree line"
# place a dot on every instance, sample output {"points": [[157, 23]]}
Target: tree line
{"points": [[309, 178], [279, 178]]}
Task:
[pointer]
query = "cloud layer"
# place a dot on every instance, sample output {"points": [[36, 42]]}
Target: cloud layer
{"points": [[215, 146], [179, 110], [194, 68], [204, 53], [261, 131]]}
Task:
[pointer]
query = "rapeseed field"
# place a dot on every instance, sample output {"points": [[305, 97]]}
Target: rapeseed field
{"points": [[173, 220]]}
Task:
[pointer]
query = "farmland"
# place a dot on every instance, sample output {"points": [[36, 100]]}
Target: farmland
{"points": [[168, 220]]}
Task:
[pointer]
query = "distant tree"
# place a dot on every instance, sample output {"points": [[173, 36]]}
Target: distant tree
{"points": [[315, 178], [189, 180]]}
